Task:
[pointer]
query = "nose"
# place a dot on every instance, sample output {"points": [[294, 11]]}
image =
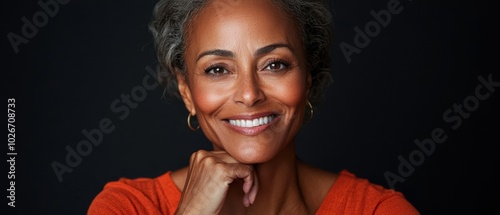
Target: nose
{"points": [[248, 89]]}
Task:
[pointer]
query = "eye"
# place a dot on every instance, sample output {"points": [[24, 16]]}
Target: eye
{"points": [[216, 70], [277, 65]]}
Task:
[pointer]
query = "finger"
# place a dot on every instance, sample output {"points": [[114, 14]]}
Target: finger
{"points": [[253, 192], [237, 170], [224, 156], [248, 185], [246, 201]]}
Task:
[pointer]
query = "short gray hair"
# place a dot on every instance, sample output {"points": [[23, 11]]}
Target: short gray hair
{"points": [[171, 20]]}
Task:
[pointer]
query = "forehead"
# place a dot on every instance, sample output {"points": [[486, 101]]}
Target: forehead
{"points": [[226, 23]]}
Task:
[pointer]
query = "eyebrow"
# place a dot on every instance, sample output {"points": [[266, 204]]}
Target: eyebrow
{"points": [[261, 51], [218, 52], [272, 47]]}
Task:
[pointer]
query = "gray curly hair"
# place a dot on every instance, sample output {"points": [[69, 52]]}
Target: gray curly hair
{"points": [[171, 20]]}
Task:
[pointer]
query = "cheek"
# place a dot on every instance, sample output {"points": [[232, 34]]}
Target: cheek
{"points": [[291, 92], [207, 97]]}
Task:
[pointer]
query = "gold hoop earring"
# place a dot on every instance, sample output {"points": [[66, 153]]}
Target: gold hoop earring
{"points": [[189, 123], [311, 111]]}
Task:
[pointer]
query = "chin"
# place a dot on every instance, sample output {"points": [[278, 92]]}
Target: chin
{"points": [[251, 155]]}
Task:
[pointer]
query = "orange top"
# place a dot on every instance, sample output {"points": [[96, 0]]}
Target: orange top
{"points": [[348, 195]]}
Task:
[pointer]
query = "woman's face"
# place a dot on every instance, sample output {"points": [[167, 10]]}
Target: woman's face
{"points": [[246, 77]]}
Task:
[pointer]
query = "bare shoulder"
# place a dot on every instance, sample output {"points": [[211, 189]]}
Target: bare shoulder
{"points": [[179, 177], [315, 183]]}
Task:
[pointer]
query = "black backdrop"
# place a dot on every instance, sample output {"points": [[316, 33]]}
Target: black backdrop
{"points": [[76, 63]]}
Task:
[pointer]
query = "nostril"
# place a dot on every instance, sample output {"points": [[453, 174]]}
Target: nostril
{"points": [[248, 92]]}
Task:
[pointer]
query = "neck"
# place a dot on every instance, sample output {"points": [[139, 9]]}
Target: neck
{"points": [[279, 188]]}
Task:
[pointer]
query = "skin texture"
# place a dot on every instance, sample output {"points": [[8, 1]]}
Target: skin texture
{"points": [[246, 61]]}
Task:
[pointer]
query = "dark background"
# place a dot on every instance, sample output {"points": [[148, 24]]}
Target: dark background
{"points": [[396, 90]]}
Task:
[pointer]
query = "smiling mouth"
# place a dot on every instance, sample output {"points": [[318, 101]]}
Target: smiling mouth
{"points": [[244, 123]]}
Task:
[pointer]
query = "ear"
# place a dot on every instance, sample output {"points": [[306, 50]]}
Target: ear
{"points": [[185, 92]]}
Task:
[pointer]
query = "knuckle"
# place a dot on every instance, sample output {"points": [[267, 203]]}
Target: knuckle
{"points": [[201, 151], [246, 169], [208, 160], [198, 155], [219, 166], [193, 156]]}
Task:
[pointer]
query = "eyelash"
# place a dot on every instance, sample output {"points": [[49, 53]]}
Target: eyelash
{"points": [[211, 70], [286, 64], [222, 70]]}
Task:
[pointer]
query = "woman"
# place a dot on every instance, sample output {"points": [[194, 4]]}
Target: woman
{"points": [[248, 70]]}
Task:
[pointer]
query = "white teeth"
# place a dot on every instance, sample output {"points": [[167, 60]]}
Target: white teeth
{"points": [[252, 123], [255, 122]]}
